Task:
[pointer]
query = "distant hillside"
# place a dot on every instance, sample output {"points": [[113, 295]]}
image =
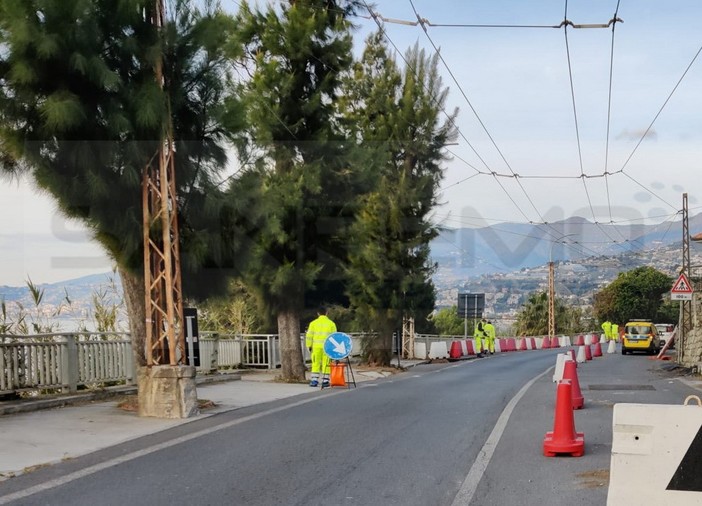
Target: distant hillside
{"points": [[70, 302], [509, 247]]}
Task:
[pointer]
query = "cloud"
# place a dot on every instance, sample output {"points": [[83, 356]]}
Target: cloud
{"points": [[635, 135]]}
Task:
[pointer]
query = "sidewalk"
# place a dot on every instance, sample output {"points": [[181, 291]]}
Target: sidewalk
{"points": [[40, 437]]}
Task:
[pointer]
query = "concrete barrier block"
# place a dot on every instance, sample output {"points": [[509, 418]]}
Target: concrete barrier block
{"points": [[438, 350]]}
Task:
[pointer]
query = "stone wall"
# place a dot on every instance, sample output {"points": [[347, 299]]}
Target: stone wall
{"points": [[692, 349]]}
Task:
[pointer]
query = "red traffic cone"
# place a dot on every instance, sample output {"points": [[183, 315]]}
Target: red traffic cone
{"points": [[570, 373], [555, 342], [522, 344], [563, 439], [456, 351], [580, 340], [571, 352], [546, 343], [588, 352], [469, 347], [597, 349]]}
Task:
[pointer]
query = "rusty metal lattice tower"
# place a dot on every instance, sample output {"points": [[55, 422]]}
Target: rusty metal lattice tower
{"points": [[165, 342], [685, 325], [408, 337]]}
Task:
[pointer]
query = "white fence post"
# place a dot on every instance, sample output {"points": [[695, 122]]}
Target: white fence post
{"points": [[71, 371]]}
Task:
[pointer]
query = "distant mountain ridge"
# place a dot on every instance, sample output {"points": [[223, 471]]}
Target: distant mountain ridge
{"points": [[509, 247]]}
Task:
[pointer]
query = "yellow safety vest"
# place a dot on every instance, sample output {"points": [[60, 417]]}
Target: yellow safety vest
{"points": [[318, 332]]}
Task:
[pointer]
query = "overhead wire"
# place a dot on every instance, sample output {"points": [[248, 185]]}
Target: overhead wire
{"points": [[482, 124], [650, 126], [451, 120], [577, 132], [609, 112], [423, 22]]}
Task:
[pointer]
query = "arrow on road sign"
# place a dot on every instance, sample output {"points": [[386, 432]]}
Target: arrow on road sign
{"points": [[682, 285], [340, 348], [688, 475]]}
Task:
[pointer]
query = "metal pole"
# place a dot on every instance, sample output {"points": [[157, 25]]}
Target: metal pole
{"points": [[552, 288], [685, 305]]}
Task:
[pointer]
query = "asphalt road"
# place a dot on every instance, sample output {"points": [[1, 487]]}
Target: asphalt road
{"points": [[410, 440]]}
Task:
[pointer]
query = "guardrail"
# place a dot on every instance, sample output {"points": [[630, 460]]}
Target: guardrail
{"points": [[75, 360]]}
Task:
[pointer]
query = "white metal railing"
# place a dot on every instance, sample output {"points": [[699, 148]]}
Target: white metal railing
{"points": [[69, 361], [64, 361]]}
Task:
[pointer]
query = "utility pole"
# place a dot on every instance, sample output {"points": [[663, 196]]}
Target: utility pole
{"points": [[165, 343], [166, 386], [552, 289], [685, 324], [551, 301]]}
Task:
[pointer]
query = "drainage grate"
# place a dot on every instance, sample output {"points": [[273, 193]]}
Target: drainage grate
{"points": [[620, 387]]}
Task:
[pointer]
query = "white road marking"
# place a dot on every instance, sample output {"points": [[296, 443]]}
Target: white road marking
{"points": [[42, 487], [475, 475]]}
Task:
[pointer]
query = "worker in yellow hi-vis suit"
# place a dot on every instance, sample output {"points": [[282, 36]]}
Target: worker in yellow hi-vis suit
{"points": [[490, 331], [480, 337], [317, 333]]}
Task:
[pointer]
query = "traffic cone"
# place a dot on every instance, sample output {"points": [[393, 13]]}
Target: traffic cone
{"points": [[522, 344], [563, 439], [588, 352], [570, 373], [580, 340], [571, 352], [469, 347], [546, 343], [603, 338], [555, 342], [597, 350], [456, 350], [612, 347]]}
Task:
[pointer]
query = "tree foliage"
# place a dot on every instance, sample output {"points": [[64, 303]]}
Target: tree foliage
{"points": [[448, 323], [532, 320], [81, 114], [633, 294], [297, 53], [396, 115]]}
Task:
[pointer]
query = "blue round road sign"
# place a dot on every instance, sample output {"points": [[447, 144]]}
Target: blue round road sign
{"points": [[338, 345]]}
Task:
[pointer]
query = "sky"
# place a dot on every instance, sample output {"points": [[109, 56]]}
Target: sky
{"points": [[516, 99]]}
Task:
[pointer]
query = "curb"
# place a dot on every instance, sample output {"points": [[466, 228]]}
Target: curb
{"points": [[63, 400]]}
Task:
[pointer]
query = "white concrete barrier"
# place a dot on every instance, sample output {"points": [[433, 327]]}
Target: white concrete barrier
{"points": [[612, 347], [561, 359], [528, 343], [498, 348], [603, 339], [539, 342], [581, 358], [655, 455], [420, 351], [464, 348], [438, 350], [475, 347]]}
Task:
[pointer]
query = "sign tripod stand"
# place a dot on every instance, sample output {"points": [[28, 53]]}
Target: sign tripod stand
{"points": [[337, 347]]}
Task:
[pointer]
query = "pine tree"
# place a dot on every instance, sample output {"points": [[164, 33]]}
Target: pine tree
{"points": [[298, 52], [396, 115], [81, 114]]}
